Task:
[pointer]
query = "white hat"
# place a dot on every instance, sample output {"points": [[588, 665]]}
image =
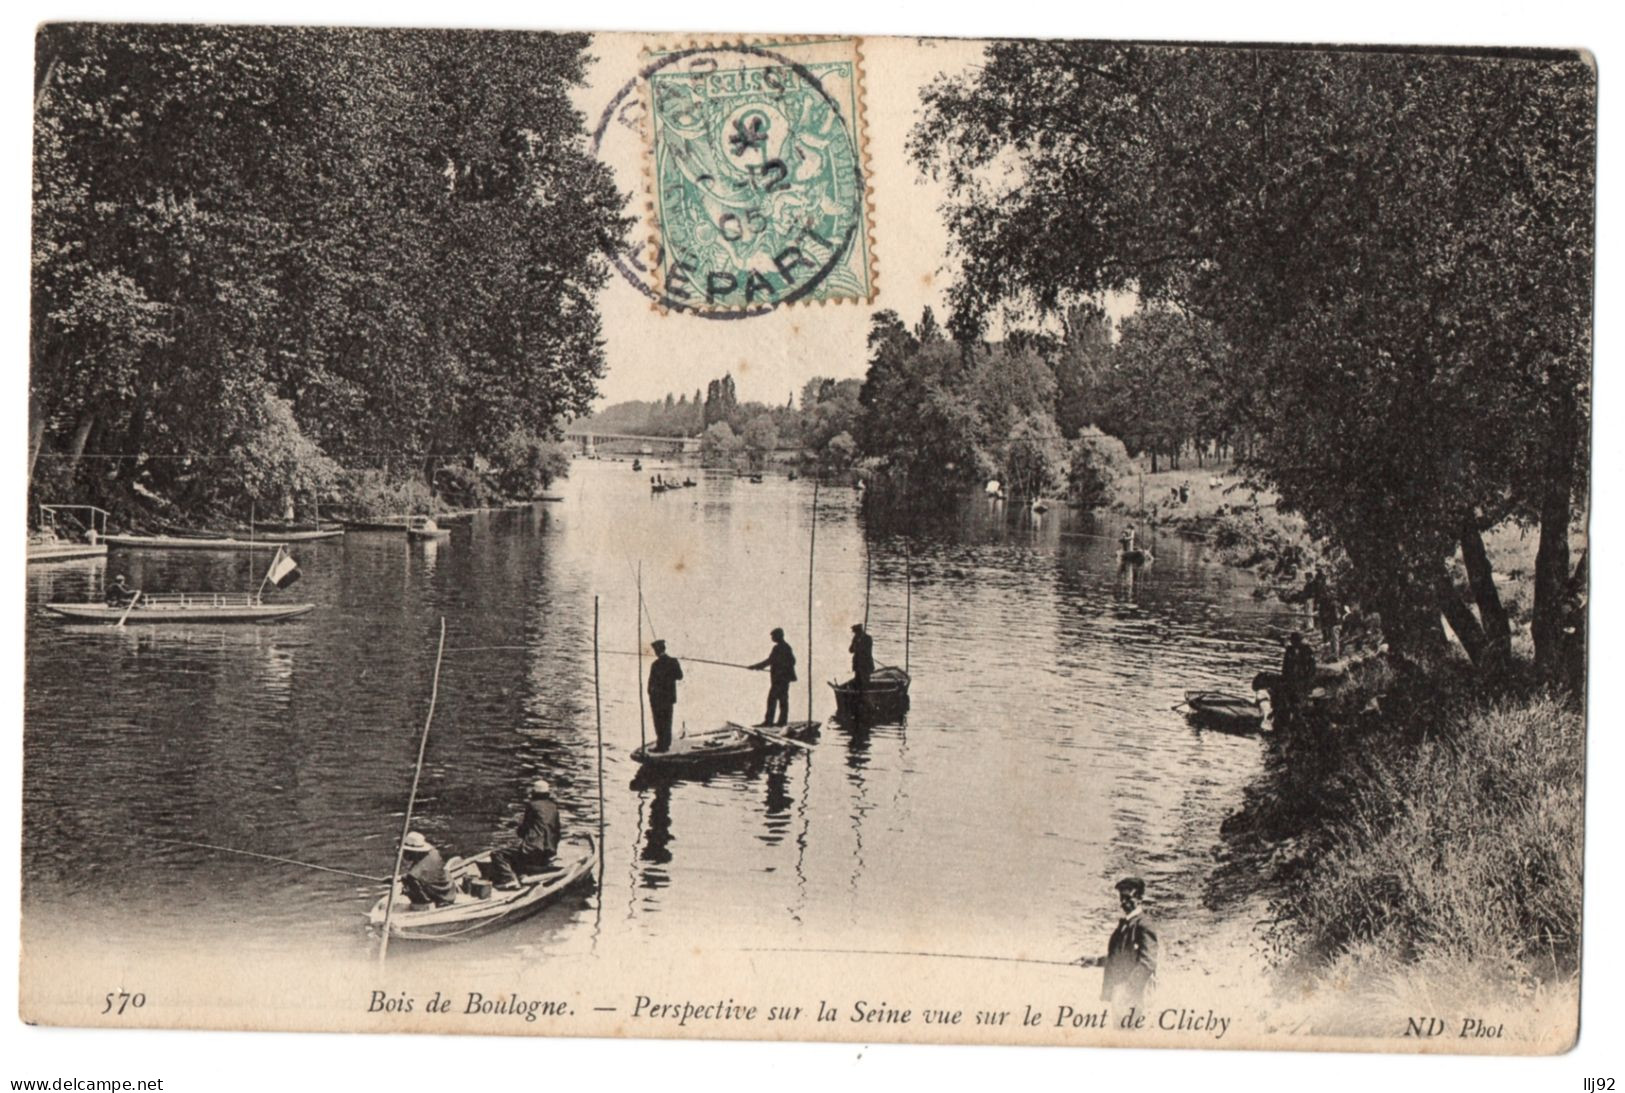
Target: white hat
{"points": [[416, 843], [540, 788]]}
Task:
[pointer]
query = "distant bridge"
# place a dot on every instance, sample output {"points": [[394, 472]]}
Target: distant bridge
{"points": [[593, 443]]}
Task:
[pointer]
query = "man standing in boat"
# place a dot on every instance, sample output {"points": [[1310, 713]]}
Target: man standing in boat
{"points": [[425, 881], [1131, 954], [663, 676], [781, 662], [863, 656], [538, 839]]}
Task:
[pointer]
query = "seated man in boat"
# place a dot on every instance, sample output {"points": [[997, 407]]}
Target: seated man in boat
{"points": [[781, 662], [538, 840], [663, 676], [118, 593], [424, 882], [863, 657]]}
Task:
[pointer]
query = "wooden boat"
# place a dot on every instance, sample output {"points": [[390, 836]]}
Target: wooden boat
{"points": [[885, 699], [1133, 556], [179, 607], [423, 528], [377, 523], [731, 744], [1223, 712], [550, 498], [176, 542], [473, 914]]}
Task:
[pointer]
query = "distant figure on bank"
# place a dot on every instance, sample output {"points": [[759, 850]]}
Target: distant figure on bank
{"points": [[1297, 672], [425, 881], [863, 656], [1318, 591], [1131, 954], [663, 676], [1126, 540], [118, 593], [781, 662], [538, 839]]}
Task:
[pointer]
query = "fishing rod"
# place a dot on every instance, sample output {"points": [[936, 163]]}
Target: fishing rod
{"points": [[412, 798], [689, 659], [265, 857], [912, 952]]}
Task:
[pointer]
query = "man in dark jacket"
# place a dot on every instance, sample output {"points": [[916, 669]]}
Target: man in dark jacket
{"points": [[781, 664], [538, 839], [1297, 675], [1131, 954], [424, 881], [863, 656], [663, 676]]}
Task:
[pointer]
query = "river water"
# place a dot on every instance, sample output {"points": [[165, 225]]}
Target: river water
{"points": [[1039, 762]]}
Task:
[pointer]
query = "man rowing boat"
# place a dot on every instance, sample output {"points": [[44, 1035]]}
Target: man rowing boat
{"points": [[119, 594]]}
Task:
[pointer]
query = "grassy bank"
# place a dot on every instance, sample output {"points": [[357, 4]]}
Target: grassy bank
{"points": [[1427, 864]]}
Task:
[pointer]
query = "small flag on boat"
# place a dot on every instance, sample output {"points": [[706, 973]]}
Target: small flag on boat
{"points": [[284, 570]]}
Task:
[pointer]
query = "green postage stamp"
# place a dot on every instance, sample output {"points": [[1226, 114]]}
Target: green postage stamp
{"points": [[758, 180]]}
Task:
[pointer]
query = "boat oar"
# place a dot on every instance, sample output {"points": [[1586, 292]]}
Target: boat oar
{"points": [[129, 607], [266, 857], [777, 739]]}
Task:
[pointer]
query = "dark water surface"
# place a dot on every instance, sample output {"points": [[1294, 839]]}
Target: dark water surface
{"points": [[1039, 762]]}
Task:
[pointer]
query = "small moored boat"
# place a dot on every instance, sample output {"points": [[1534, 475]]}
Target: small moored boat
{"points": [[731, 744], [423, 528], [176, 542], [1223, 712], [177, 607], [479, 908], [885, 699]]}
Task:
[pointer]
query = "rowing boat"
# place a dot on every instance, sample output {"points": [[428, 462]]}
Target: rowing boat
{"points": [[478, 909], [176, 607], [1223, 712], [731, 744], [885, 699], [176, 542], [423, 528]]}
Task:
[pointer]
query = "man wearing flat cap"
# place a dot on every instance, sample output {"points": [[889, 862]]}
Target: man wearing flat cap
{"points": [[863, 656], [663, 676], [1131, 954], [781, 664]]}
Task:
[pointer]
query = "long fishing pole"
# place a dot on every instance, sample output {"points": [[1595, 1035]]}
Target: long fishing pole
{"points": [[812, 550], [908, 601], [598, 712], [265, 857], [911, 952], [643, 734], [686, 659], [412, 798], [868, 579]]}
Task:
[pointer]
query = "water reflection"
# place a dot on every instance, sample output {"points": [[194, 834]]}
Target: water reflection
{"points": [[1039, 757]]}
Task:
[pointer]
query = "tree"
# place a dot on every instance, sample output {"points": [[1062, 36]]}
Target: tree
{"points": [[1396, 246]]}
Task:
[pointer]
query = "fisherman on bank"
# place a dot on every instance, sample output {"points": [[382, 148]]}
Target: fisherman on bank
{"points": [[1131, 954], [538, 840], [424, 881], [781, 664], [663, 676], [863, 656], [1297, 673]]}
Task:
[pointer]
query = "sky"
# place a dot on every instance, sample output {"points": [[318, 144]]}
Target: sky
{"points": [[772, 356]]}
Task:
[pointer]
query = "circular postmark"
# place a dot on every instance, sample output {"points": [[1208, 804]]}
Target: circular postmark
{"points": [[755, 180]]}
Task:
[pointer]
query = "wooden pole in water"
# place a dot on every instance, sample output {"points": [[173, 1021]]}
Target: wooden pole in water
{"points": [[868, 580], [643, 733], [412, 798], [812, 550], [908, 601], [598, 712]]}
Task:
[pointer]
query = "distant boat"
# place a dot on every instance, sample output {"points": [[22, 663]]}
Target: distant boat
{"points": [[637, 464], [1223, 712], [179, 607], [59, 550], [423, 528], [177, 542]]}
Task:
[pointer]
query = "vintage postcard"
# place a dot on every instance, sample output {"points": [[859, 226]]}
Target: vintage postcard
{"points": [[737, 536]]}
